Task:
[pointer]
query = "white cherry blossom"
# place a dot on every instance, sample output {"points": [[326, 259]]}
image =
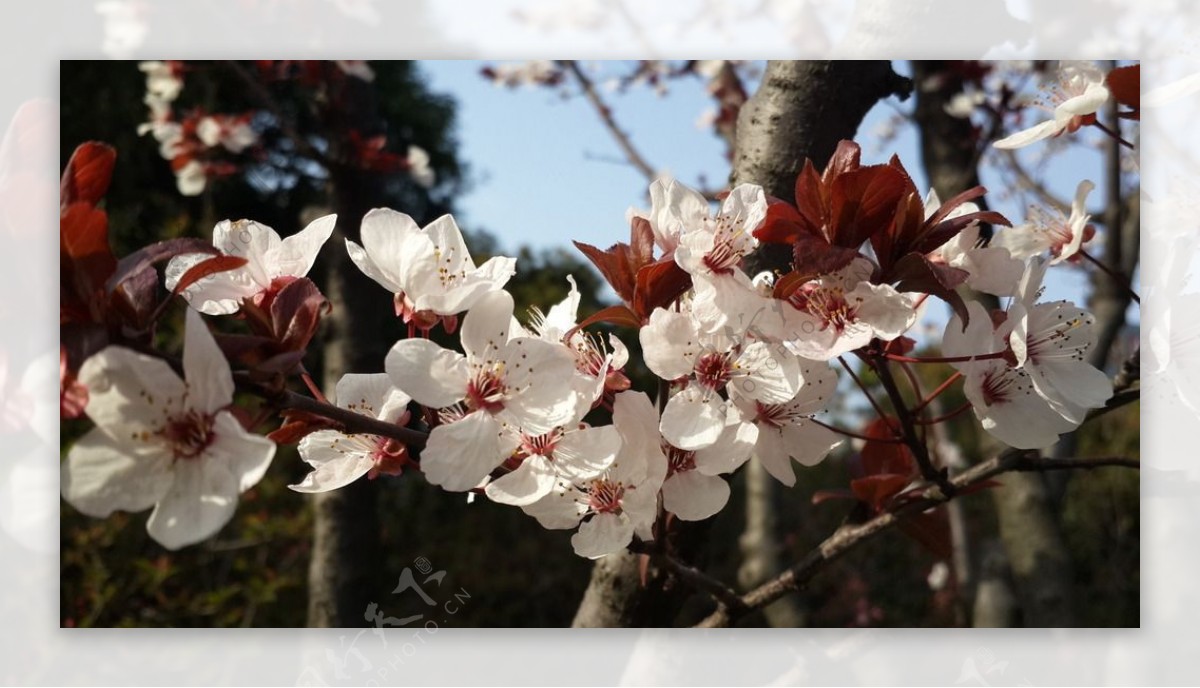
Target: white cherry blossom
{"points": [[694, 490], [1080, 91], [842, 311], [1050, 342], [786, 430], [430, 270], [164, 442], [338, 458], [675, 349], [1002, 396], [623, 500], [501, 381], [271, 262], [1050, 230]]}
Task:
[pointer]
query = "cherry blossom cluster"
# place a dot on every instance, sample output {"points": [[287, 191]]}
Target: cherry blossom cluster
{"points": [[535, 411]]}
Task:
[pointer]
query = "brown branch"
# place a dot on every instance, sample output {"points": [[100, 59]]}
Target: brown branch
{"points": [[848, 537], [623, 141], [908, 426], [354, 423]]}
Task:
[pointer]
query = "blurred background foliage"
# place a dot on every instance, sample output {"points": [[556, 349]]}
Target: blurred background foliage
{"points": [[515, 573]]}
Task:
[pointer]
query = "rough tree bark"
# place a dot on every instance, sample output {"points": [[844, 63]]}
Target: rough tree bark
{"points": [[344, 575], [801, 110]]}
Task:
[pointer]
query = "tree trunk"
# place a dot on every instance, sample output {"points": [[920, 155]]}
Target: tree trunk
{"points": [[801, 110], [344, 577]]}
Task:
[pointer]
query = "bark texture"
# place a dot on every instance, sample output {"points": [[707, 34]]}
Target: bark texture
{"points": [[801, 110], [343, 575]]}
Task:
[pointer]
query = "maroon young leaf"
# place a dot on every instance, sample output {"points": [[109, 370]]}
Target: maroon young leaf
{"points": [[877, 490], [148, 256], [863, 202], [783, 223], [85, 262], [210, 266], [617, 315], [915, 272], [658, 285], [813, 257], [296, 311], [931, 529], [615, 265], [88, 174], [1125, 84]]}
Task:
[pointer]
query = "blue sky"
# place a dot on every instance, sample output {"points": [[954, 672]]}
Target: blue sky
{"points": [[546, 171]]}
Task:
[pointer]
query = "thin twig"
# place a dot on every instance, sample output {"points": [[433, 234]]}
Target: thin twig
{"points": [[623, 141], [848, 537], [908, 426]]}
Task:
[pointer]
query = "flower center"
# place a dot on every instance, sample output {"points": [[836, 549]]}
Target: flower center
{"points": [[1054, 342], [189, 434], [827, 304], [604, 496], [487, 390], [713, 370], [541, 445], [774, 415], [1000, 385], [389, 455], [726, 252], [678, 460]]}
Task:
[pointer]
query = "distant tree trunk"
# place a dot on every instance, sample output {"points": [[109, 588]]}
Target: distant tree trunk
{"points": [[801, 110], [344, 575]]}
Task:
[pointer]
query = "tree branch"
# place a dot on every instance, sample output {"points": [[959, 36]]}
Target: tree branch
{"points": [[848, 537], [623, 141]]}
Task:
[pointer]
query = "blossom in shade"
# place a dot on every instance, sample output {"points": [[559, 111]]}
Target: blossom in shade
{"points": [[271, 263], [339, 458], [786, 430], [613, 507], [499, 384], [163, 441], [694, 489]]}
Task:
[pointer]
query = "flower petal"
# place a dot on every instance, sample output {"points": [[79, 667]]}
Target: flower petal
{"points": [[1031, 135], [670, 344], [485, 329], [693, 419], [129, 392], [200, 502], [434, 376], [334, 461], [602, 535], [693, 496], [371, 394], [209, 380], [532, 481], [245, 455], [103, 474], [585, 454], [459, 455], [297, 253]]}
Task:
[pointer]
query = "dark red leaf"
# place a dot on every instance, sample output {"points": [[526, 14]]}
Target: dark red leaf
{"points": [[814, 257], [783, 224], [208, 267], [931, 529], [85, 262], [883, 458], [915, 272], [658, 285], [863, 203], [147, 257], [1125, 84], [641, 241], [295, 313], [615, 265], [876, 490], [616, 315], [822, 496], [88, 173]]}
